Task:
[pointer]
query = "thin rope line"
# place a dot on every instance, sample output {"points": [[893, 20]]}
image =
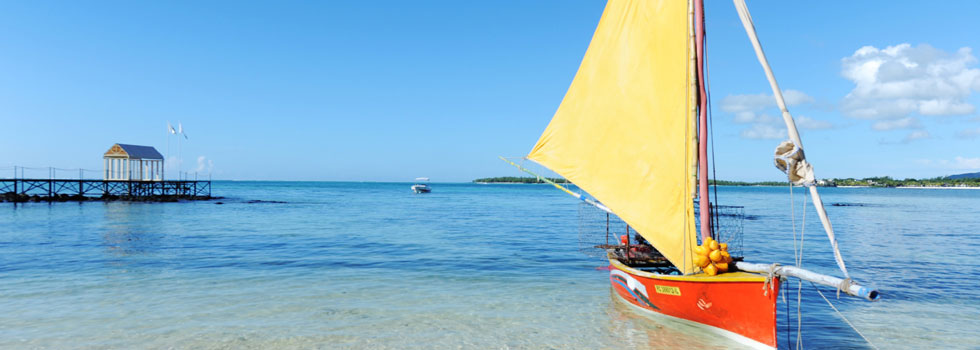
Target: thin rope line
{"points": [[792, 208], [711, 122], [799, 315], [799, 288], [789, 345], [796, 258], [842, 316], [799, 259]]}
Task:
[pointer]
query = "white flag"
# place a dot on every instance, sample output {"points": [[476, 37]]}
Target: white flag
{"points": [[170, 128], [180, 129]]}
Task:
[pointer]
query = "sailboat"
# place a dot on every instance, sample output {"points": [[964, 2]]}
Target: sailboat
{"points": [[631, 132]]}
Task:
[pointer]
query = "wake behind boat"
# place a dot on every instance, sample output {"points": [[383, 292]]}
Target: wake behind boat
{"points": [[632, 132]]}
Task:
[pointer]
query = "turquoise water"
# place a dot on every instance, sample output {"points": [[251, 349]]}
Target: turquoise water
{"points": [[373, 266]]}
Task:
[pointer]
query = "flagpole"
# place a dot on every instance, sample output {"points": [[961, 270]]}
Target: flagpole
{"points": [[180, 158], [163, 172]]}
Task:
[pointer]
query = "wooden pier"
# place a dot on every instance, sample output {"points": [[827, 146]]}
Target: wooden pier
{"points": [[23, 190]]}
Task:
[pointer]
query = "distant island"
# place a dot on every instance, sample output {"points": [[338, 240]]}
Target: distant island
{"points": [[965, 176], [518, 180], [879, 181], [743, 183], [960, 180]]}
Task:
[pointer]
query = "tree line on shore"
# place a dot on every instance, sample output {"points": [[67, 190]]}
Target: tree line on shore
{"points": [[887, 181], [519, 179], [878, 181]]}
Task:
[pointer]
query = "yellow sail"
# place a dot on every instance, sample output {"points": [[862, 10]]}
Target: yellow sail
{"points": [[624, 132]]}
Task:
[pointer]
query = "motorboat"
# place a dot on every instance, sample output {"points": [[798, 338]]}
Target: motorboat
{"points": [[421, 185]]}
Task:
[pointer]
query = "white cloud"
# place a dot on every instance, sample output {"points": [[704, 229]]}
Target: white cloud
{"points": [[945, 107], [795, 97], [752, 117], [764, 131], [744, 117], [968, 133], [904, 123], [746, 103], [758, 102], [901, 80], [805, 122], [958, 163], [966, 163], [204, 165], [916, 135], [748, 109]]}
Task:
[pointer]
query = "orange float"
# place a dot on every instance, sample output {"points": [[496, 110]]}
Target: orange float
{"points": [[715, 255]]}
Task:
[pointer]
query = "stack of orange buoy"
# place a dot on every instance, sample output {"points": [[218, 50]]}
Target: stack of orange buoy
{"points": [[712, 257]]}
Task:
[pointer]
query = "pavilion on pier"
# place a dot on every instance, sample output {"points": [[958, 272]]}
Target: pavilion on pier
{"points": [[132, 163]]}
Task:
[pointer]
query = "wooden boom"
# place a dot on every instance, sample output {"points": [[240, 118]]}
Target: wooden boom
{"points": [[845, 285]]}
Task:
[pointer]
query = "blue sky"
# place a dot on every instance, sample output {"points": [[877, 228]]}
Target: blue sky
{"points": [[394, 90]]}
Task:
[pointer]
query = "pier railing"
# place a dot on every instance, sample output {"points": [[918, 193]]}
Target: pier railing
{"points": [[54, 189], [51, 184]]}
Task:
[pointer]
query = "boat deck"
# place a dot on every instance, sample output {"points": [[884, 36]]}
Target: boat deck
{"points": [[652, 264]]}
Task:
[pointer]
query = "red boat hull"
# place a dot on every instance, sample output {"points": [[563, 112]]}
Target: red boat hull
{"points": [[736, 302]]}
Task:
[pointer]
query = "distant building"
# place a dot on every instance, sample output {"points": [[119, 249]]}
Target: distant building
{"points": [[132, 162]]}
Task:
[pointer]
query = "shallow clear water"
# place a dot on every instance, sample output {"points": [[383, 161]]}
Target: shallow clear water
{"points": [[371, 265]]}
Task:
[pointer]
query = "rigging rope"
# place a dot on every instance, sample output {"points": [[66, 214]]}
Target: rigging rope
{"points": [[807, 173], [767, 285], [842, 315], [798, 259], [845, 284], [792, 211], [711, 123], [799, 287], [786, 304]]}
